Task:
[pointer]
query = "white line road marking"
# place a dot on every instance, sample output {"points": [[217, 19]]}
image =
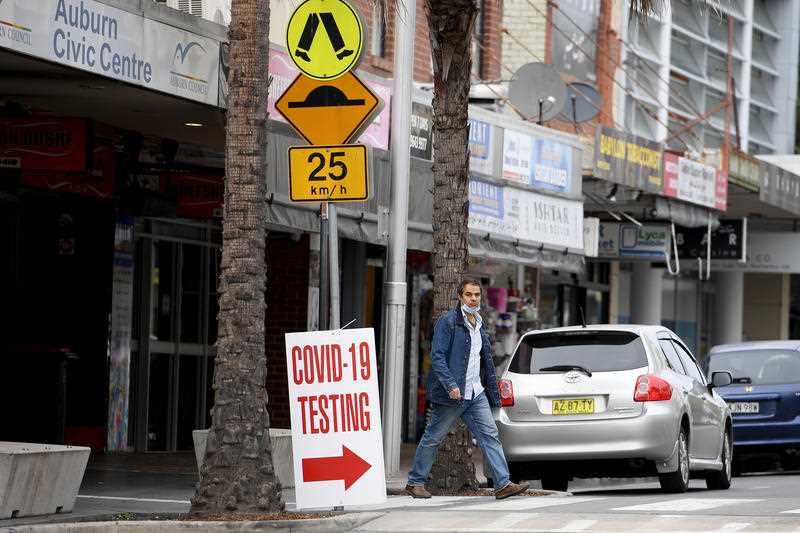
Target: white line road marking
{"points": [[507, 521], [525, 503], [792, 511], [734, 526], [131, 499], [394, 502], [685, 504], [577, 525]]}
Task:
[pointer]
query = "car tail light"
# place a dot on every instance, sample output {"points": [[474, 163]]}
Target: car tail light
{"points": [[650, 388], [506, 392]]}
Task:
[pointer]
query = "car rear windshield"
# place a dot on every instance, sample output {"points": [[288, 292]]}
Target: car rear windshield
{"points": [[759, 367], [596, 351]]}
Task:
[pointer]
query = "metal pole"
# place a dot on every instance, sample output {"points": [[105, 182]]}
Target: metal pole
{"points": [[394, 294], [324, 270], [333, 259]]}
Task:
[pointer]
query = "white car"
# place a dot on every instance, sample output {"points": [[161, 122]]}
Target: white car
{"points": [[612, 401]]}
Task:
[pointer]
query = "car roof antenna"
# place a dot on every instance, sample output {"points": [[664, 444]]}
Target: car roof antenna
{"points": [[583, 318]]}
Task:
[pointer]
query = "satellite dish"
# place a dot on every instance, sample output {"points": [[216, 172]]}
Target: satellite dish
{"points": [[535, 87], [582, 104]]}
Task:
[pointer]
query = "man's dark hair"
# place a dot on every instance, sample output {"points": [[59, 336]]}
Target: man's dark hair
{"points": [[468, 281]]}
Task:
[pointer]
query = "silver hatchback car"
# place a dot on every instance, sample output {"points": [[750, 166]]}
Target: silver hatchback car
{"points": [[612, 401]]}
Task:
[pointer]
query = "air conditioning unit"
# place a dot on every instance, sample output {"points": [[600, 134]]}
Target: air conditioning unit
{"points": [[214, 10]]}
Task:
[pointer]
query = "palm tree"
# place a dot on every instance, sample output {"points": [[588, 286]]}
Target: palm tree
{"points": [[451, 24], [238, 473]]}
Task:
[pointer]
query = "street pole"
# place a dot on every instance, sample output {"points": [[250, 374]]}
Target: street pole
{"points": [[324, 271], [394, 293], [333, 259]]}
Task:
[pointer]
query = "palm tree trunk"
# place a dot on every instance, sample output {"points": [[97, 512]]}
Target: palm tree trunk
{"points": [[451, 24], [238, 474]]}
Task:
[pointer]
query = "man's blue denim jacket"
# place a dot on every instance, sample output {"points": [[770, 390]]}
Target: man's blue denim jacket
{"points": [[449, 357]]}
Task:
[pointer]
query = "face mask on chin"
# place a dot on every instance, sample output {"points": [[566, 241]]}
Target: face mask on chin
{"points": [[470, 310]]}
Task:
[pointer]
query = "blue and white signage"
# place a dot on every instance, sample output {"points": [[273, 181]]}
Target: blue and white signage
{"points": [[629, 241], [481, 154], [521, 214], [115, 43], [542, 163]]}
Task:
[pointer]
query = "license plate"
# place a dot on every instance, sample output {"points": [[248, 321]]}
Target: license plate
{"points": [[574, 406], [744, 407]]}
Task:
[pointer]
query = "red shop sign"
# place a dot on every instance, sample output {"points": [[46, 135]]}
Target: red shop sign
{"points": [[38, 143], [198, 195], [98, 182]]}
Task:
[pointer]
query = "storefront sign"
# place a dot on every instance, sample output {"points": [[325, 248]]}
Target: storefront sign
{"points": [[694, 182], [767, 253], [517, 153], [96, 182], [44, 144], [421, 141], [591, 236], [114, 43], [780, 188], [542, 163], [337, 443], [283, 73], [728, 241], [198, 195], [628, 160], [481, 152], [629, 241], [525, 215]]}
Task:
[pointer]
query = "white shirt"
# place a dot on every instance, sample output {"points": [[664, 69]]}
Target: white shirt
{"points": [[473, 382]]}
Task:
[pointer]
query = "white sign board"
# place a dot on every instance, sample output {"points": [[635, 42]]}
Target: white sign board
{"points": [[337, 441], [777, 253], [114, 43], [525, 215]]}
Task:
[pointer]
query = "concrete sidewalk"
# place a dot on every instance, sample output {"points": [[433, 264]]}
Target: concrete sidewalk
{"points": [[123, 485]]}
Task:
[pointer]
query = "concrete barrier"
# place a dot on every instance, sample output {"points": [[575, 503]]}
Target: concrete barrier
{"points": [[282, 458], [38, 479]]}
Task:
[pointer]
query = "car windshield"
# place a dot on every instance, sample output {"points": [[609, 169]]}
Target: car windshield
{"points": [[762, 367], [595, 351]]}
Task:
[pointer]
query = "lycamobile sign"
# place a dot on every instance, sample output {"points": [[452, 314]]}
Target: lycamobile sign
{"points": [[98, 38], [629, 241]]}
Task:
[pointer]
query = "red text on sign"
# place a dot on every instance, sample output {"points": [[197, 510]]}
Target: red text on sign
{"points": [[324, 363], [335, 413]]}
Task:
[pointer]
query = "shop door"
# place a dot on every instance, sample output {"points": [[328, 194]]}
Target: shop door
{"points": [[177, 317]]}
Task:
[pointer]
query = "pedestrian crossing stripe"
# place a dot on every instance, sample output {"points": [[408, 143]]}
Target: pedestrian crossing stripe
{"points": [[324, 38], [525, 503], [685, 504]]}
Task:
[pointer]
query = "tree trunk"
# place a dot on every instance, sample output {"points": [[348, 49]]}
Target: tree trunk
{"points": [[451, 25], [238, 473]]}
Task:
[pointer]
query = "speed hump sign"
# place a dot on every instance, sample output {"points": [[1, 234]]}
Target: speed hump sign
{"points": [[336, 173]]}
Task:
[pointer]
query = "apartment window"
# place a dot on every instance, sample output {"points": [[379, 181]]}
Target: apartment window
{"points": [[378, 30], [477, 40]]}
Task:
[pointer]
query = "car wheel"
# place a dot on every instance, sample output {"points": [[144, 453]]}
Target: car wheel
{"points": [[678, 481], [555, 483], [721, 480]]}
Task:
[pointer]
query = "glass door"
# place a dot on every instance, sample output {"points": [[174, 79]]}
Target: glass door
{"points": [[175, 346]]}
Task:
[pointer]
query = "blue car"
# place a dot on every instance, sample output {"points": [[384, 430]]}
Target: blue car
{"points": [[764, 400]]}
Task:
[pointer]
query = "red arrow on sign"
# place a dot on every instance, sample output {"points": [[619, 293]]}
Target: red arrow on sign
{"points": [[348, 467]]}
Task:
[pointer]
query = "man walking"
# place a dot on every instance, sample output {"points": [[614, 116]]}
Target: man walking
{"points": [[461, 354]]}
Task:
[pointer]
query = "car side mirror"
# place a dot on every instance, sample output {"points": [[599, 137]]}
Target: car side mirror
{"points": [[720, 379]]}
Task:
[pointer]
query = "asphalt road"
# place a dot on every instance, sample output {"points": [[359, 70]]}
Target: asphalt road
{"points": [[768, 502], [753, 503]]}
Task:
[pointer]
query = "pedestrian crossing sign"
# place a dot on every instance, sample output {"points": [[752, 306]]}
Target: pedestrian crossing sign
{"points": [[324, 38]]}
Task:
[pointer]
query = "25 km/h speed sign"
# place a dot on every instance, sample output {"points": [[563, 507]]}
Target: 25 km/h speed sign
{"points": [[337, 443], [328, 173]]}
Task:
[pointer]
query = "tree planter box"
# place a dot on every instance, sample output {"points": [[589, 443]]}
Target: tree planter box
{"points": [[38, 479], [281, 453]]}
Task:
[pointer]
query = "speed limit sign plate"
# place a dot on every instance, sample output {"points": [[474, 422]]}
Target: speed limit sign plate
{"points": [[328, 173]]}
